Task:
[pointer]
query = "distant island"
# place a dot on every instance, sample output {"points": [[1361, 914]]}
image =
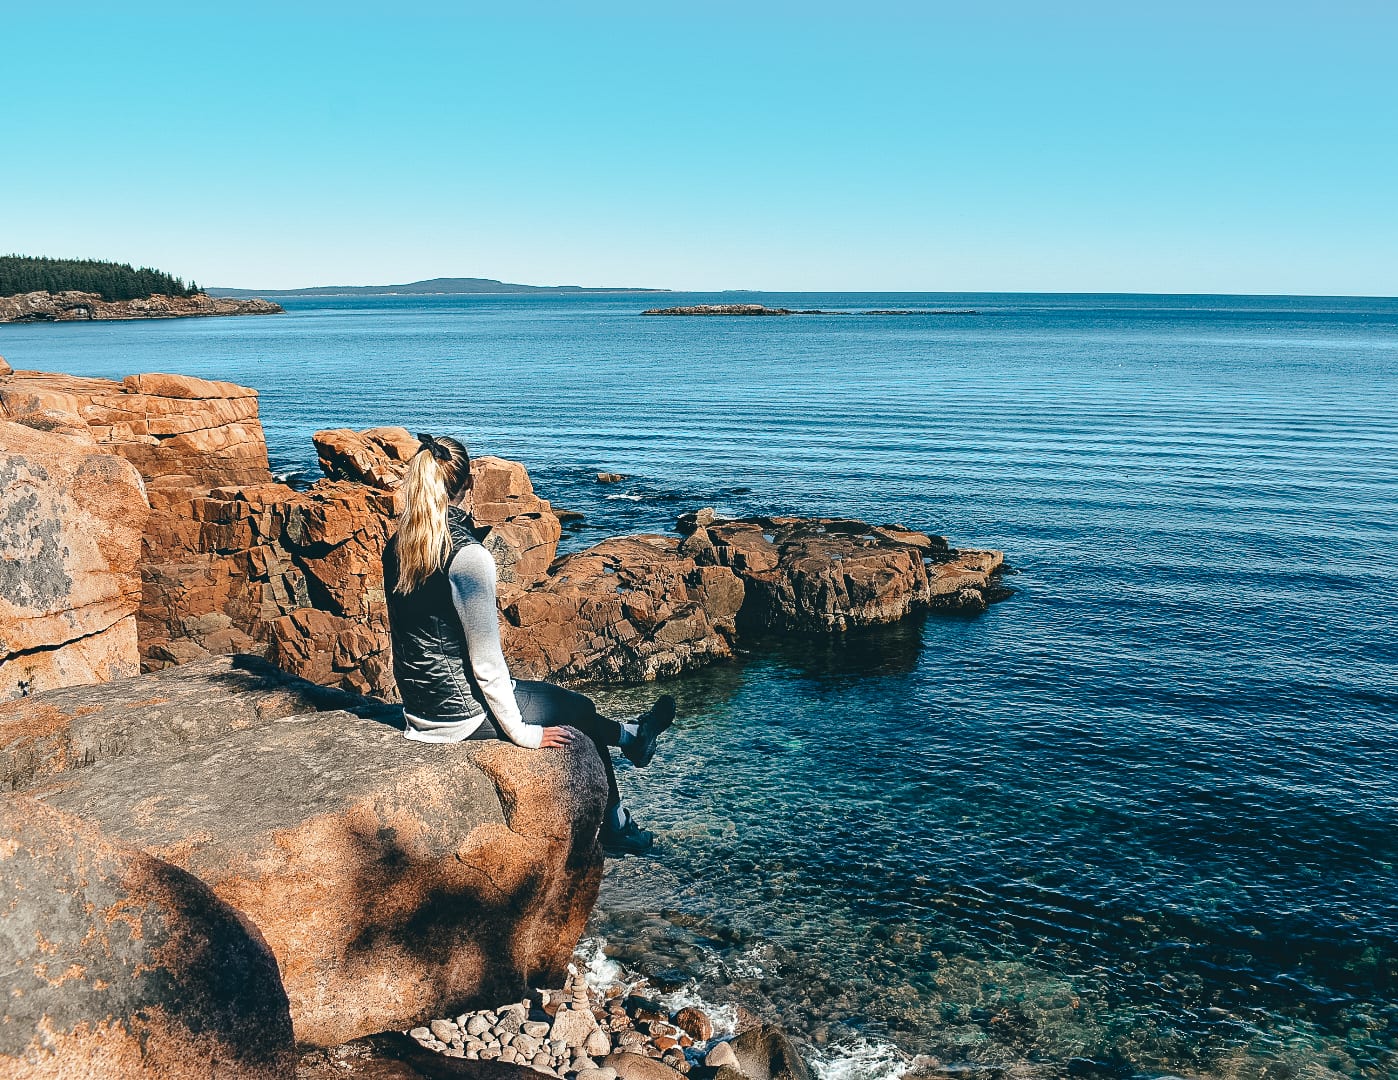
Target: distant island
{"points": [[454, 286], [760, 309], [38, 289]]}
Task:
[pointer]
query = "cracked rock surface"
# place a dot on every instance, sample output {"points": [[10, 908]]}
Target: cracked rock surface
{"points": [[392, 880]]}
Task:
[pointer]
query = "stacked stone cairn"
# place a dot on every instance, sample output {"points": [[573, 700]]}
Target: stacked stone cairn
{"points": [[581, 1033]]}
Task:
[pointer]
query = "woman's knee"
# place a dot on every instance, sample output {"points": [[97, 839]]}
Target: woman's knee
{"points": [[556, 704]]}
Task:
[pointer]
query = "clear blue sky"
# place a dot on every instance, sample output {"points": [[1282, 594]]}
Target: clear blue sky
{"points": [[1168, 147]]}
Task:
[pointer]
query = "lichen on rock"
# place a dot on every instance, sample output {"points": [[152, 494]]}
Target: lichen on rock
{"points": [[391, 879]]}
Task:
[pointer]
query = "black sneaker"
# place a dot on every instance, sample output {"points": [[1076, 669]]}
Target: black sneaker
{"points": [[640, 748], [630, 839]]}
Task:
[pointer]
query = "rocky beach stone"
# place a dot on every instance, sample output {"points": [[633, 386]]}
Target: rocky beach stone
{"points": [[71, 521], [572, 1027], [118, 964], [374, 457], [695, 1023], [639, 1067], [391, 880], [721, 1054], [648, 1009], [767, 1053], [177, 430]]}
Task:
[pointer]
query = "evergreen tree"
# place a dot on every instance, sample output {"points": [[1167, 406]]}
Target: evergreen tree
{"points": [[110, 280]]}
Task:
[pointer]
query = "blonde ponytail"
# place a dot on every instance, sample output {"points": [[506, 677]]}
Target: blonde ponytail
{"points": [[437, 474]]}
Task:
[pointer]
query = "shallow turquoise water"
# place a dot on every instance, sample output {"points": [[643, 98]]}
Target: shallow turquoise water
{"points": [[1140, 818]]}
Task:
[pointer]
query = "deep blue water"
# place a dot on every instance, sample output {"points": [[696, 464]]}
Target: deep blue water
{"points": [[1138, 819]]}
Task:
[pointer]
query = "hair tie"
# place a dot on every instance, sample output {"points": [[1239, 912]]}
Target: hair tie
{"points": [[432, 446]]}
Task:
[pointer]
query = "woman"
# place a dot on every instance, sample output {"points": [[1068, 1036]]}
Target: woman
{"points": [[440, 585]]}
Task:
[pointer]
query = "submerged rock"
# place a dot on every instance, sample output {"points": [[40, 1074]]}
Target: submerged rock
{"points": [[118, 964], [392, 880]]}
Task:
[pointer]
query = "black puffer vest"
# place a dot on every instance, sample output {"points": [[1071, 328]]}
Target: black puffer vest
{"points": [[430, 660]]}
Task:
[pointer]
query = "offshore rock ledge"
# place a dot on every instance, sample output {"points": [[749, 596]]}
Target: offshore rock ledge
{"points": [[73, 306]]}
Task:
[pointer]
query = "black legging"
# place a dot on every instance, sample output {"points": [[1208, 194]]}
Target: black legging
{"points": [[546, 705]]}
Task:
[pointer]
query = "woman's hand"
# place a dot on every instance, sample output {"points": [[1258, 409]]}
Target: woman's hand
{"points": [[559, 736]]}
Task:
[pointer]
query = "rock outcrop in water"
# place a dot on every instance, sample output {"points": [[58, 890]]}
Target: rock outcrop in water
{"points": [[393, 881], [75, 306], [725, 309], [630, 609], [834, 574], [761, 309], [232, 561]]}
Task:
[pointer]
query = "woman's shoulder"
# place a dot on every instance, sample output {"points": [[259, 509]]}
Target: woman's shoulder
{"points": [[473, 561]]}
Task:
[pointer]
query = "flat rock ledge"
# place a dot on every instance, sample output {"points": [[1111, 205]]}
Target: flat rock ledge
{"points": [[726, 309], [73, 306], [829, 574], [391, 880]]}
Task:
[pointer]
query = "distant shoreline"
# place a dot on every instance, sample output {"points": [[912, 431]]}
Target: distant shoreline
{"points": [[74, 306], [433, 287]]}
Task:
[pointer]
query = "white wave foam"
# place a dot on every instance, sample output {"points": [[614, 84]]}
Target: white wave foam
{"points": [[628, 498], [602, 972], [597, 967], [861, 1060]]}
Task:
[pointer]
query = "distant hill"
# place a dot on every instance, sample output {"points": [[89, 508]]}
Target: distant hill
{"points": [[431, 287]]}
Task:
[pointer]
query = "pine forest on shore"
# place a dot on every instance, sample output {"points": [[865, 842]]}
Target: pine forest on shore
{"points": [[112, 281]]}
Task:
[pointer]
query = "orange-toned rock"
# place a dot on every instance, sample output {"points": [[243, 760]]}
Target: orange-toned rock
{"points": [[631, 608], [119, 965], [71, 518], [58, 730], [394, 881], [524, 531], [832, 574], [181, 430], [360, 456]]}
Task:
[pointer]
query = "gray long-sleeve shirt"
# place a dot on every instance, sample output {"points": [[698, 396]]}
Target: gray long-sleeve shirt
{"points": [[472, 577]]}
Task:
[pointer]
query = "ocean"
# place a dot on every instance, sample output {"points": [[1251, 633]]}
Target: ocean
{"points": [[1138, 820]]}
